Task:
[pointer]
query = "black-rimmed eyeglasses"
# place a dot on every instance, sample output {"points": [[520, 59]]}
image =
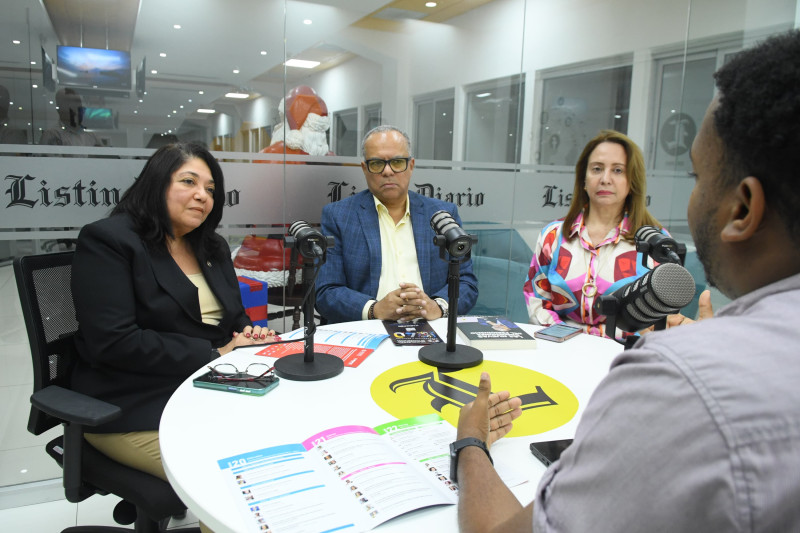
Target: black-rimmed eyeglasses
{"points": [[397, 164], [229, 372]]}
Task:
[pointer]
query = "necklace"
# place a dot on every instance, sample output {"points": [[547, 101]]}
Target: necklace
{"points": [[589, 289]]}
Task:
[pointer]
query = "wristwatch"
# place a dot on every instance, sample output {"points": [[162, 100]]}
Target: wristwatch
{"points": [[442, 303], [457, 446]]}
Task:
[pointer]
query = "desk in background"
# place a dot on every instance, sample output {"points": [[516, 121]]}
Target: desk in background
{"points": [[200, 426]]}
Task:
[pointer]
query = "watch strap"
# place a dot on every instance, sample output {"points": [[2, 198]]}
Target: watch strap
{"points": [[443, 306], [455, 450]]}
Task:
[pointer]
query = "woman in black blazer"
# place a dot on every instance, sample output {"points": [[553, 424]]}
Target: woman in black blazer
{"points": [[156, 298]]}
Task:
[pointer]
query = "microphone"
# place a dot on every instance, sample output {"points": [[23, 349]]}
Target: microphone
{"points": [[662, 248], [308, 241], [662, 291], [449, 233]]}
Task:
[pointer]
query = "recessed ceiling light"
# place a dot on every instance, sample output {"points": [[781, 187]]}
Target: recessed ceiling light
{"points": [[301, 63], [236, 71], [153, 72], [236, 94], [483, 95], [141, 101], [163, 54], [33, 62], [307, 22], [263, 52], [16, 41], [181, 106], [430, 4], [176, 26], [201, 92], [135, 111], [35, 86], [190, 100], [208, 111]]}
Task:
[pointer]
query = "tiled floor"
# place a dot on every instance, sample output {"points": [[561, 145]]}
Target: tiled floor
{"points": [[23, 461], [53, 517]]}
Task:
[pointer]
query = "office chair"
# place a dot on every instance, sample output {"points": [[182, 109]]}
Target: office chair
{"points": [[43, 282]]}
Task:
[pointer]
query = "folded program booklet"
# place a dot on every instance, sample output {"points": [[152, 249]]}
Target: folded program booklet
{"points": [[348, 477]]}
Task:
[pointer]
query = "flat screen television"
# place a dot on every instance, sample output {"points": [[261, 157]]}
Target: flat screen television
{"points": [[99, 118], [48, 72], [93, 68]]}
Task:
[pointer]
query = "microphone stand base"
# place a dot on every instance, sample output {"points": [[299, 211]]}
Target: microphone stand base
{"points": [[438, 356], [294, 367]]}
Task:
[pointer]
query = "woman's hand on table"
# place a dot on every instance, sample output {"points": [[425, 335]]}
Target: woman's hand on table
{"points": [[249, 336]]}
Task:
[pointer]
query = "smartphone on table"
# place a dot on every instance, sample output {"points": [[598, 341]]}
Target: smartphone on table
{"points": [[549, 451], [257, 387], [557, 332]]}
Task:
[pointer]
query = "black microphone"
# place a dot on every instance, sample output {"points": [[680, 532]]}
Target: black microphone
{"points": [[308, 241], [662, 248], [662, 291], [457, 242]]}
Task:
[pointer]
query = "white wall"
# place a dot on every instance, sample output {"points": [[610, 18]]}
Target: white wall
{"points": [[505, 37]]}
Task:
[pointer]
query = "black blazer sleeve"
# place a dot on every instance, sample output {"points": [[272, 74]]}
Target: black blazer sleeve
{"points": [[140, 329]]}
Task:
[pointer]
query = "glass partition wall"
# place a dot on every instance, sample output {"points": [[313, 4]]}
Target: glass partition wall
{"points": [[499, 97]]}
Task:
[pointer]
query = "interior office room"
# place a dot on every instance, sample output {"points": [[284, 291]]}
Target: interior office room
{"points": [[498, 97]]}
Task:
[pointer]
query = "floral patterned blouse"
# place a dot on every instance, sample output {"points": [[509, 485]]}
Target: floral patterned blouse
{"points": [[566, 277]]}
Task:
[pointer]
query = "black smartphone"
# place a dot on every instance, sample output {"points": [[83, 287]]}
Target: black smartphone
{"points": [[557, 332], [258, 387], [549, 451]]}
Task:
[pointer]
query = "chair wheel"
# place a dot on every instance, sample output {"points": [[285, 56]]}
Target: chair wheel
{"points": [[124, 513]]}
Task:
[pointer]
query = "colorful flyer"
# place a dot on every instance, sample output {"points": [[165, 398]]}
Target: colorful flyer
{"points": [[352, 348], [413, 333]]}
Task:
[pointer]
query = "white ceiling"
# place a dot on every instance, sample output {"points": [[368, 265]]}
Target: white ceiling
{"points": [[217, 36]]}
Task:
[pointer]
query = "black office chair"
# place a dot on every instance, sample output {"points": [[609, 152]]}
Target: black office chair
{"points": [[44, 288]]}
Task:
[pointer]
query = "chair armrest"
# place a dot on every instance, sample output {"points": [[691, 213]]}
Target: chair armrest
{"points": [[74, 407]]}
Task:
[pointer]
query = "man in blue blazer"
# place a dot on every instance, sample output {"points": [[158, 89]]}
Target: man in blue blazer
{"points": [[383, 263]]}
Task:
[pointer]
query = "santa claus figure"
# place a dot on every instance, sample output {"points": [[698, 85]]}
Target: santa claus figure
{"points": [[302, 125]]}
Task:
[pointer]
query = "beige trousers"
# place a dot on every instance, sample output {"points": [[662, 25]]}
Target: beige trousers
{"points": [[137, 449]]}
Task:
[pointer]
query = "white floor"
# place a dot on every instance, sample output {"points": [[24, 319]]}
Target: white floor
{"points": [[53, 517], [23, 461]]}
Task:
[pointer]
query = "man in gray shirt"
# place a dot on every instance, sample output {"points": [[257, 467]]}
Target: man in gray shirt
{"points": [[697, 428]]}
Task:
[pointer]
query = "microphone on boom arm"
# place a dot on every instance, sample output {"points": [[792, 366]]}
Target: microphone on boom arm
{"points": [[309, 242], [662, 291], [662, 248]]}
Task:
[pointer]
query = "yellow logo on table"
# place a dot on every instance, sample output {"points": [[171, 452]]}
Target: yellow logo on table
{"points": [[415, 388]]}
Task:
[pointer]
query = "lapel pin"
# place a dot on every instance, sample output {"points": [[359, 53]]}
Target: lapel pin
{"points": [[208, 263]]}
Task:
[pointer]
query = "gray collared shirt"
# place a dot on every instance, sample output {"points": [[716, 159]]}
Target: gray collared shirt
{"points": [[695, 429]]}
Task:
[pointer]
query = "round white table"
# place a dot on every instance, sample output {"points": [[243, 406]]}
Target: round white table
{"points": [[200, 426]]}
